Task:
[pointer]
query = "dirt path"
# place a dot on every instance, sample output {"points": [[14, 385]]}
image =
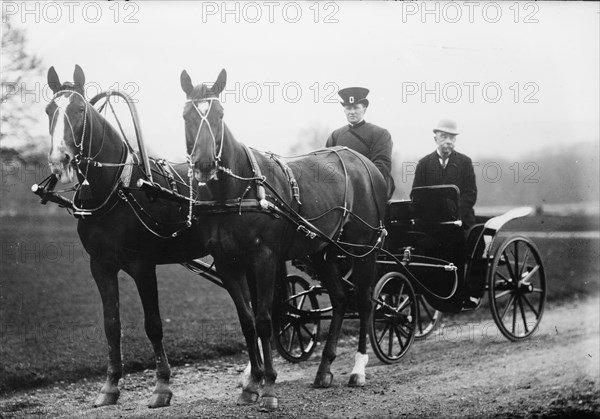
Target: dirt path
{"points": [[463, 370]]}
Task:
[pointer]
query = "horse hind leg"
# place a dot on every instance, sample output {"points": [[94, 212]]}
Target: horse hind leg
{"points": [[144, 276], [105, 276], [328, 274]]}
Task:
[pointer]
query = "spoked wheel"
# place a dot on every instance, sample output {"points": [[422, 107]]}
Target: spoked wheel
{"points": [[428, 318], [296, 329], [517, 288], [394, 317]]}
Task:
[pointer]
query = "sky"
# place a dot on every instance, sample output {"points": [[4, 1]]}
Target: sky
{"points": [[517, 77]]}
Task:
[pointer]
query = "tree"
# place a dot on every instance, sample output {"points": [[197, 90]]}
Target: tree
{"points": [[310, 139], [15, 108]]}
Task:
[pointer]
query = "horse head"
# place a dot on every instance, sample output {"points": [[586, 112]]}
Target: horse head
{"points": [[67, 114], [204, 126]]}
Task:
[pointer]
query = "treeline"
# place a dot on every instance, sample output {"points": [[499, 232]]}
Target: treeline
{"points": [[554, 176]]}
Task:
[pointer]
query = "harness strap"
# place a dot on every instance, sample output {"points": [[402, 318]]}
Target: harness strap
{"points": [[260, 189], [290, 175], [127, 169], [167, 172]]}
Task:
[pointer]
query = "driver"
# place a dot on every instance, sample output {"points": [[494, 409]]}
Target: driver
{"points": [[368, 139]]}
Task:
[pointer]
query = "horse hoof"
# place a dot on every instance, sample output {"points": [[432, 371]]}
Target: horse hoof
{"points": [[357, 380], [106, 399], [247, 397], [160, 400], [323, 380], [269, 402]]}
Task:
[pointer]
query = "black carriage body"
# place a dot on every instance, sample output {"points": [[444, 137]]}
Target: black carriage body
{"points": [[426, 234]]}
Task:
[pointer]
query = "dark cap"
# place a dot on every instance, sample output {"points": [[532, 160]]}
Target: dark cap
{"points": [[354, 96]]}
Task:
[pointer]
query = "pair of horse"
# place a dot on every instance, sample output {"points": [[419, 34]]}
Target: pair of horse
{"points": [[302, 207]]}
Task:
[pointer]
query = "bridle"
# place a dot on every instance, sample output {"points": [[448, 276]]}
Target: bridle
{"points": [[78, 157], [204, 118], [122, 176]]}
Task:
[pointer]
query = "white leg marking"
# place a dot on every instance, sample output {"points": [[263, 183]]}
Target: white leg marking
{"points": [[358, 376], [245, 378]]}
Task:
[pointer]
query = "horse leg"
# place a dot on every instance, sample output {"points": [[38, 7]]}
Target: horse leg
{"points": [[105, 276], [364, 271], [144, 275], [236, 284], [245, 379], [266, 273], [328, 274]]}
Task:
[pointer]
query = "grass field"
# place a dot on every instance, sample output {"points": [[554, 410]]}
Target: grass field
{"points": [[51, 314]]}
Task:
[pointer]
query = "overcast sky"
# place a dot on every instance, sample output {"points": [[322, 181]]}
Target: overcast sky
{"points": [[517, 77]]}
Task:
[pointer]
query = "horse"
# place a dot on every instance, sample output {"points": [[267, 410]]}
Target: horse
{"points": [[265, 211], [119, 226]]}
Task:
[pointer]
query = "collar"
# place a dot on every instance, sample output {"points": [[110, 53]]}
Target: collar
{"points": [[358, 124], [441, 157]]}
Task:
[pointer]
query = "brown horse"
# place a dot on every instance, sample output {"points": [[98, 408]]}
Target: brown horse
{"points": [[119, 226], [266, 211]]}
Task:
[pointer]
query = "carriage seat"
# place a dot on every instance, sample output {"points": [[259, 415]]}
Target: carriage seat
{"points": [[436, 204], [398, 213]]}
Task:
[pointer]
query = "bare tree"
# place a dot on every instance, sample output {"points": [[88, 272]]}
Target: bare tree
{"points": [[310, 139]]}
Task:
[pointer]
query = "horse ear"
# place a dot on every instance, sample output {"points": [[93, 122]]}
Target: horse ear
{"points": [[79, 78], [186, 83], [219, 85], [53, 81]]}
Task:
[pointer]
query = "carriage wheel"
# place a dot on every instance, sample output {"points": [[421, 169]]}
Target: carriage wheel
{"points": [[393, 317], [296, 333], [517, 288], [428, 318]]}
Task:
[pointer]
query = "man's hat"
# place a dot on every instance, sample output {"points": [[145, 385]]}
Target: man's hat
{"points": [[446, 125], [354, 96]]}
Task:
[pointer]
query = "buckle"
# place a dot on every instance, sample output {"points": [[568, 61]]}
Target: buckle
{"points": [[306, 231]]}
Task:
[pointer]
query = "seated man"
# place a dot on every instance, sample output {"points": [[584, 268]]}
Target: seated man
{"points": [[448, 167], [373, 142]]}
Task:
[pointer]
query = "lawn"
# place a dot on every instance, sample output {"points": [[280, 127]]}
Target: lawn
{"points": [[51, 314]]}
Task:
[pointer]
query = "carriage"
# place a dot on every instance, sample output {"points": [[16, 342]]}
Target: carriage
{"points": [[426, 265]]}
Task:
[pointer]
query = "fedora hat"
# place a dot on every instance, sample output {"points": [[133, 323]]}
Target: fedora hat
{"points": [[354, 96], [446, 125]]}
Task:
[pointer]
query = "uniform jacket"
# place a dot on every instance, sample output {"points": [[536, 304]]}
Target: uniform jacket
{"points": [[459, 171], [376, 145]]}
